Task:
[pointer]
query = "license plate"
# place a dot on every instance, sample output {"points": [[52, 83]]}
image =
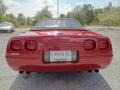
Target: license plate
{"points": [[60, 56]]}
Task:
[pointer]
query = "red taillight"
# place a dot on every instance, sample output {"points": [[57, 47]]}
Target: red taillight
{"points": [[31, 45], [103, 44], [89, 44], [16, 45]]}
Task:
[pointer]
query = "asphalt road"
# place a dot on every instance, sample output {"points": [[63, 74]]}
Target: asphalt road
{"points": [[107, 79]]}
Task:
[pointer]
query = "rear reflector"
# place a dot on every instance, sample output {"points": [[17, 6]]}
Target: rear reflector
{"points": [[89, 44], [16, 45], [103, 44], [31, 45]]}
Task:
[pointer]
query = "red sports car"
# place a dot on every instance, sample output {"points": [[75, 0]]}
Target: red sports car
{"points": [[58, 45]]}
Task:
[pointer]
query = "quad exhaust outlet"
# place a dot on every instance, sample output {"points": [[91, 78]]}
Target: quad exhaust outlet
{"points": [[27, 72]]}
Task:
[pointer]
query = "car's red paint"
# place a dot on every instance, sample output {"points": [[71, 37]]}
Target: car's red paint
{"points": [[25, 60]]}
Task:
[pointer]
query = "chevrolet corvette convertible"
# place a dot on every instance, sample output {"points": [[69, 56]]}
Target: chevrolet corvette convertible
{"points": [[58, 45]]}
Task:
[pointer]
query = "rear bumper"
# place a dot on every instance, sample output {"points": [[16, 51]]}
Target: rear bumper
{"points": [[37, 65]]}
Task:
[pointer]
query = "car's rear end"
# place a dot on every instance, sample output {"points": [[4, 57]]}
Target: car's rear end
{"points": [[59, 51]]}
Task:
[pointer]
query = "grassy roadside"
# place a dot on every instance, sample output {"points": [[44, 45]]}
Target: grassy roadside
{"points": [[102, 28]]}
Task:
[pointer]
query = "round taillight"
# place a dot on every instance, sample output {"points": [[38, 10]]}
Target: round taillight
{"points": [[16, 45], [89, 44], [31, 45], [103, 44]]}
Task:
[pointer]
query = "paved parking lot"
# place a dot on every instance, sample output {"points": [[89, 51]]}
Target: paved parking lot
{"points": [[108, 79]]}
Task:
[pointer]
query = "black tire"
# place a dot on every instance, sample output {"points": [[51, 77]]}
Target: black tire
{"points": [[12, 30]]}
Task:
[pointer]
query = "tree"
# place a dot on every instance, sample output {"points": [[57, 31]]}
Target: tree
{"points": [[21, 19], [69, 15], [89, 13], [77, 13], [44, 13], [12, 19], [29, 21], [3, 8], [107, 9], [62, 15], [84, 14], [110, 17]]}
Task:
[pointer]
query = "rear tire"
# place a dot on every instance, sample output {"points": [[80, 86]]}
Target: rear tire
{"points": [[12, 30]]}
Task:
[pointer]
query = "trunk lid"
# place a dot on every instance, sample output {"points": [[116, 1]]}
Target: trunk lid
{"points": [[72, 33]]}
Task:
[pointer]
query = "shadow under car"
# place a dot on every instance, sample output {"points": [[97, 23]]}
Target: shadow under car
{"points": [[60, 81]]}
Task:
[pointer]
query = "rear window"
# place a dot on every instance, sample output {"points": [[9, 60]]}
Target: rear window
{"points": [[57, 24]]}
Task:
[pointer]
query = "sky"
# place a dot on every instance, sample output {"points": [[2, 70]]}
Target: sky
{"points": [[30, 7]]}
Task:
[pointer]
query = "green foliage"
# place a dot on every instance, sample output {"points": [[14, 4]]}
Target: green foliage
{"points": [[21, 19], [86, 14], [12, 19], [110, 21], [44, 13], [29, 22], [3, 8], [62, 15], [108, 16]]}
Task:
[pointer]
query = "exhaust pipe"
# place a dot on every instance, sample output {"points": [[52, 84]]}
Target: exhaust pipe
{"points": [[96, 71], [21, 72], [90, 71], [27, 72]]}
